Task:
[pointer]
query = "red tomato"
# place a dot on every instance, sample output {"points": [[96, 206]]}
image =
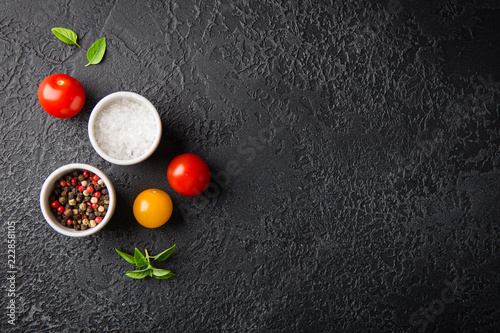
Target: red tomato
{"points": [[188, 174], [61, 95]]}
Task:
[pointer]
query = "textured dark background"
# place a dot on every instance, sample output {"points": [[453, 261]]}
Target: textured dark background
{"points": [[361, 140]]}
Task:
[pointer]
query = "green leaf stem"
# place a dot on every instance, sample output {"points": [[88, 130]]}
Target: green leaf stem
{"points": [[96, 52], [66, 35]]}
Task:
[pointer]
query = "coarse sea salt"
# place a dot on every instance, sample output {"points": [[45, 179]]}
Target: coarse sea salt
{"points": [[125, 129]]}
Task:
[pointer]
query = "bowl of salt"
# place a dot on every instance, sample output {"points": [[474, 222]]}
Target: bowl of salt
{"points": [[124, 128]]}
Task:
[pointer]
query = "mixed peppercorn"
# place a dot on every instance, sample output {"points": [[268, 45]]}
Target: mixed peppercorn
{"points": [[80, 200]]}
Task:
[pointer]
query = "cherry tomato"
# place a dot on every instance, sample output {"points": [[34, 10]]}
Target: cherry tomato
{"points": [[61, 95], [188, 175], [152, 208]]}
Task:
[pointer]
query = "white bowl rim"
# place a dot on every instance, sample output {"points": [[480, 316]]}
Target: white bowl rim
{"points": [[48, 186], [138, 98]]}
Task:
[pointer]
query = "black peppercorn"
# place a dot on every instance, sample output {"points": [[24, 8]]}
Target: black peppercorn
{"points": [[74, 206]]}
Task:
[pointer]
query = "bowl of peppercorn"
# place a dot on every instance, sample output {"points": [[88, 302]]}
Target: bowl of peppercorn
{"points": [[77, 200]]}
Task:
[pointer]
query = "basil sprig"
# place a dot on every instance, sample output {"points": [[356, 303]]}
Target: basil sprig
{"points": [[141, 260]]}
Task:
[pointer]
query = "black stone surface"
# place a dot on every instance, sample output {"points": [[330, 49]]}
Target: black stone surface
{"points": [[360, 142]]}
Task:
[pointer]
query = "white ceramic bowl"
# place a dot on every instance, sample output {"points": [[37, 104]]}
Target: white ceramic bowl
{"points": [[117, 97], [48, 188]]}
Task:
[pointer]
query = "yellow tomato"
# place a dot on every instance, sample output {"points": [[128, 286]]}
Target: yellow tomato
{"points": [[152, 208]]}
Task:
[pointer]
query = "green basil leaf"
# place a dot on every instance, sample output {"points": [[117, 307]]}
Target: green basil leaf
{"points": [[139, 274], [160, 272], [96, 52], [139, 258], [66, 35], [165, 254], [163, 277], [126, 256]]}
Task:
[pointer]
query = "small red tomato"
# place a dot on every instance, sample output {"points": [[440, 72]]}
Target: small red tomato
{"points": [[60, 209], [55, 204], [188, 174], [61, 95], [90, 189]]}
